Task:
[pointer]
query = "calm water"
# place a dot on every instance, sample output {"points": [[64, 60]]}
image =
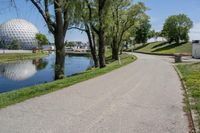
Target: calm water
{"points": [[25, 73]]}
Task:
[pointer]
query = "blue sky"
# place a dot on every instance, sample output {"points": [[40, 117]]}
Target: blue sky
{"points": [[159, 11]]}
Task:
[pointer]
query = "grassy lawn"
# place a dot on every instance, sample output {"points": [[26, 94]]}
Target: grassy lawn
{"points": [[20, 95], [166, 48], [19, 56], [191, 77]]}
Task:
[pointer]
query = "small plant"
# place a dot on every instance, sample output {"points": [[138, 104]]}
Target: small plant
{"points": [[42, 39], [14, 45]]}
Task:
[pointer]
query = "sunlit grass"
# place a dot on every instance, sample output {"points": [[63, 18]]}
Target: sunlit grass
{"points": [[20, 56], [191, 77], [165, 48]]}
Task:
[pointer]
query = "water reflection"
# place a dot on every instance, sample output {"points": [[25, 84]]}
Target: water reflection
{"points": [[21, 74], [40, 63], [18, 71]]}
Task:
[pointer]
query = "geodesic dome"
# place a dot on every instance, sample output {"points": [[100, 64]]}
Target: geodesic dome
{"points": [[21, 30]]}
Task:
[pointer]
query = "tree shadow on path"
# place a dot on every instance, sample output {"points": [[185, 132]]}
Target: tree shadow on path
{"points": [[159, 45]]}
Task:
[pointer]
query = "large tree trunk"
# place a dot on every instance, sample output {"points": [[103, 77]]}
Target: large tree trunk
{"points": [[92, 46], [60, 55], [102, 62], [59, 42], [57, 26], [115, 50]]}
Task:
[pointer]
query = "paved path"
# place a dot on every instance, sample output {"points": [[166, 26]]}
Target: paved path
{"points": [[14, 51], [143, 97]]}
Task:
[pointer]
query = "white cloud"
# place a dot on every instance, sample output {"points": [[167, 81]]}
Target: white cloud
{"points": [[195, 32]]}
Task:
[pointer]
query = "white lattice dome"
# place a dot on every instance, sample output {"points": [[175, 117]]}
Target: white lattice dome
{"points": [[21, 30], [18, 71]]}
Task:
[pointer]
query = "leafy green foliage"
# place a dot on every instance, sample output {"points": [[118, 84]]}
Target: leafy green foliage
{"points": [[40, 63], [126, 17], [58, 15], [154, 34], [143, 31], [71, 44], [14, 45], [42, 39], [176, 28]]}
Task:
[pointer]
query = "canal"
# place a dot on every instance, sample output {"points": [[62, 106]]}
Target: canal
{"points": [[19, 74]]}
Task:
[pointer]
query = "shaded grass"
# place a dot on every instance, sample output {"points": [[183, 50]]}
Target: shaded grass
{"points": [[20, 56], [20, 95], [166, 48], [191, 77]]}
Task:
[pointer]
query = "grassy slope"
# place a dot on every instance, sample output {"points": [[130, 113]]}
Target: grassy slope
{"points": [[19, 56], [191, 77], [30, 92], [166, 48]]}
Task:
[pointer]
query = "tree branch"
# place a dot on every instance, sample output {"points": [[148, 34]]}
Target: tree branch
{"points": [[70, 28], [90, 17], [45, 15], [66, 23]]}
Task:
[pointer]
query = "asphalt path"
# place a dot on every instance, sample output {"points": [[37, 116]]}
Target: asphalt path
{"points": [[143, 97]]}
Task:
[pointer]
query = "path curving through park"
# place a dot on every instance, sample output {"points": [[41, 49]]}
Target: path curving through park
{"points": [[143, 97]]}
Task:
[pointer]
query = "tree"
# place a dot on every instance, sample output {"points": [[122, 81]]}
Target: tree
{"points": [[98, 11], [125, 17], [83, 23], [142, 33], [176, 28], [2, 44], [152, 34], [71, 44], [42, 39], [40, 63], [57, 23], [14, 45]]}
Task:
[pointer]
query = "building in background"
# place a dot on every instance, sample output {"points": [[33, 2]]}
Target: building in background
{"points": [[18, 30], [196, 49], [77, 46], [156, 39]]}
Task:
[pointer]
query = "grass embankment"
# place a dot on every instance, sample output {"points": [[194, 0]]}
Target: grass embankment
{"points": [[20, 95], [165, 48], [20, 56], [191, 77]]}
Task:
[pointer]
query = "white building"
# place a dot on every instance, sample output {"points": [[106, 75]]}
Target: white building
{"points": [[196, 49], [21, 30], [156, 39]]}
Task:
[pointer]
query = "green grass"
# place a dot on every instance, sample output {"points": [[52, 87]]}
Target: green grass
{"points": [[20, 95], [20, 56], [165, 48], [191, 78]]}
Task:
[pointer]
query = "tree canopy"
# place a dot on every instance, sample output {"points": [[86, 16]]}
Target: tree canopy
{"points": [[176, 28], [143, 31], [125, 18], [106, 22], [42, 39]]}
